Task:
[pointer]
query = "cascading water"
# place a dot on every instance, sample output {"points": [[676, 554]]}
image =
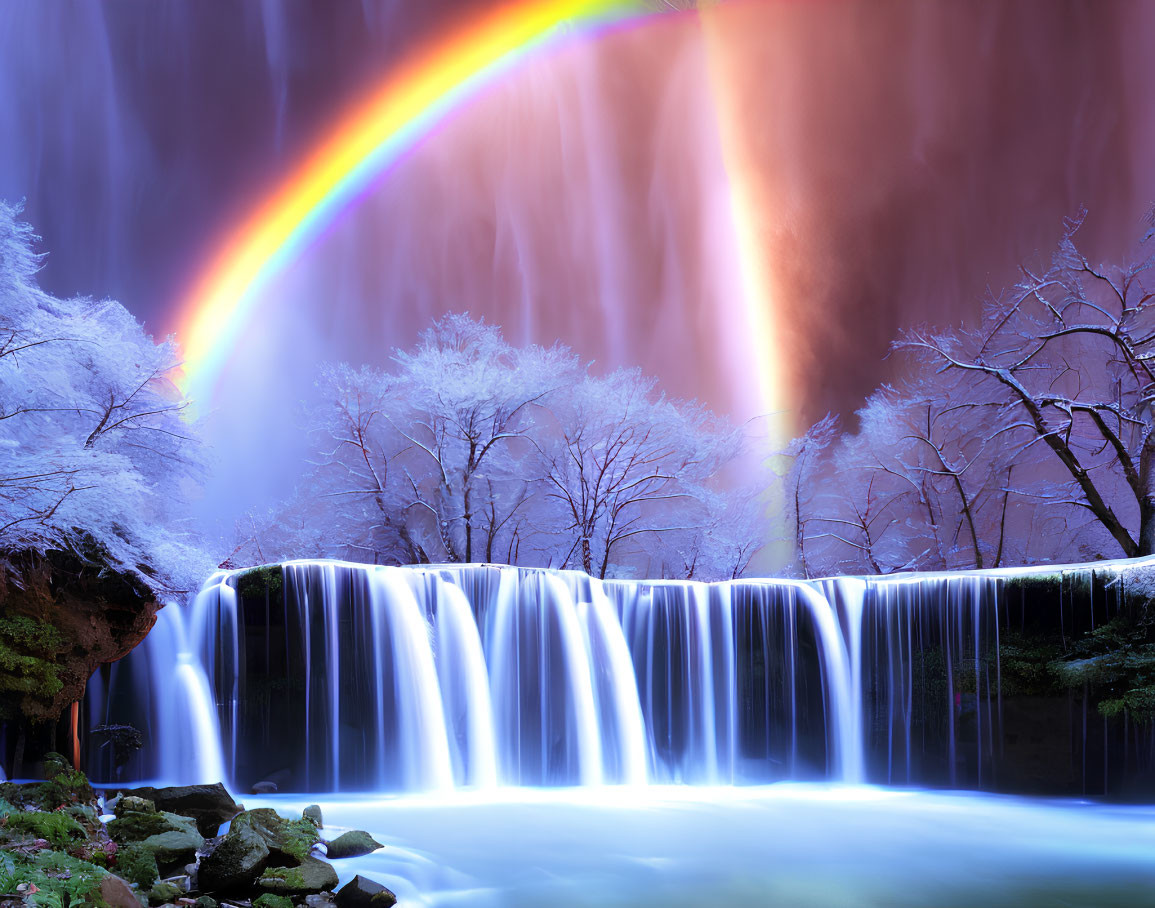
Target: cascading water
{"points": [[329, 676]]}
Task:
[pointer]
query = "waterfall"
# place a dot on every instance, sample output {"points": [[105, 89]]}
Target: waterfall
{"points": [[331, 676]]}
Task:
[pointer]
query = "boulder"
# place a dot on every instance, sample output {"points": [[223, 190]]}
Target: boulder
{"points": [[351, 844], [209, 805], [235, 862], [309, 877], [312, 813], [174, 848], [264, 788], [136, 827], [360, 892], [289, 841], [117, 893], [132, 804]]}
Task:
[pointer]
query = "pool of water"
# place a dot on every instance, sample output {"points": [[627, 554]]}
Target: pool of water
{"points": [[782, 845]]}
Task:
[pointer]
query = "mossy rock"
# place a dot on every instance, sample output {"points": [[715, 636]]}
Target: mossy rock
{"points": [[309, 877], [351, 844], [136, 827], [235, 862], [65, 786], [256, 583], [137, 865], [165, 892], [268, 900], [289, 841], [133, 804]]}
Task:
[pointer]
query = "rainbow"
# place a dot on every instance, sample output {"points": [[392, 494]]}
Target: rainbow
{"points": [[413, 99]]}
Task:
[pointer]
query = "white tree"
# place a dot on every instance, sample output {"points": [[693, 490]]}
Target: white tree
{"points": [[472, 449], [96, 457], [627, 466], [1027, 437]]}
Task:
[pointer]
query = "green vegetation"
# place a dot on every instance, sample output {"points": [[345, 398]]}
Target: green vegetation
{"points": [[137, 865], [261, 581], [59, 879], [1115, 663], [28, 672], [268, 900]]}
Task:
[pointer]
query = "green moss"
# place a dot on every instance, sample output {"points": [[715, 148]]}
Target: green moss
{"points": [[137, 865], [66, 787], [165, 892], [59, 829], [261, 581], [293, 838], [291, 877], [28, 672], [134, 827], [268, 900], [1115, 664]]}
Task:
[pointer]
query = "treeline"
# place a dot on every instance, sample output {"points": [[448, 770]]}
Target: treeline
{"points": [[1025, 438], [471, 449]]}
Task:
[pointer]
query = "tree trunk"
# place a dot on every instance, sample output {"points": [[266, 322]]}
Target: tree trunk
{"points": [[1147, 497], [587, 556], [74, 734]]}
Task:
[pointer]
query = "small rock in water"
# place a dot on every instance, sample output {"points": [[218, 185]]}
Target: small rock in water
{"points": [[360, 892], [352, 844], [313, 814], [264, 788]]}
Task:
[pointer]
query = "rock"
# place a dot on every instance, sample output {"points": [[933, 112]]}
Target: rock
{"points": [[321, 900], [268, 900], [133, 804], [312, 813], [311, 876], [172, 840], [209, 805], [289, 841], [207, 902], [117, 893], [136, 827], [235, 862], [351, 844], [67, 613], [264, 788], [360, 892], [164, 892]]}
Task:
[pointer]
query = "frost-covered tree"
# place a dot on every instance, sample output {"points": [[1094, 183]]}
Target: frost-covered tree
{"points": [[1025, 437], [95, 457], [628, 466], [472, 449]]}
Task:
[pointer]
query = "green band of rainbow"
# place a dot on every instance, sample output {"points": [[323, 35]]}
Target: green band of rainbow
{"points": [[412, 100]]}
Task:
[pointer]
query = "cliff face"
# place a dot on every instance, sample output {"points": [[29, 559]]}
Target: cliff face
{"points": [[61, 617]]}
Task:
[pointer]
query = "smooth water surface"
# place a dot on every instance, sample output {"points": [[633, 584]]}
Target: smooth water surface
{"points": [[783, 845]]}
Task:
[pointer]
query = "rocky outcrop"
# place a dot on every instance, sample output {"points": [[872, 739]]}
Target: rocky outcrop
{"points": [[64, 616], [209, 805]]}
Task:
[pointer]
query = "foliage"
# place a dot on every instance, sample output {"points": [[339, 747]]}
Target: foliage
{"points": [[269, 900], [59, 879], [58, 828], [1115, 664], [95, 447], [28, 649], [261, 581], [1025, 437], [137, 865], [475, 450]]}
